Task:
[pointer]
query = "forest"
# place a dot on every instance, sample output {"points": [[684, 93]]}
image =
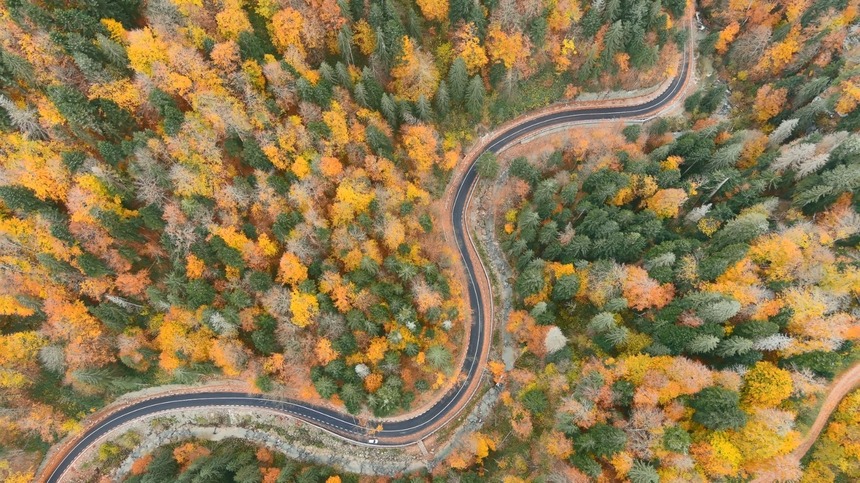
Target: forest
{"points": [[251, 190], [686, 289], [194, 190]]}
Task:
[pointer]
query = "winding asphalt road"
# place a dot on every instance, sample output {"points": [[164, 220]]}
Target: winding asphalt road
{"points": [[393, 433]]}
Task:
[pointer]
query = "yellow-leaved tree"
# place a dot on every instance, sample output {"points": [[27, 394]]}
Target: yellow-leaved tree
{"points": [[667, 203], [766, 385], [510, 48], [145, 49], [434, 9], [304, 307], [469, 47], [291, 270], [286, 30], [422, 146], [415, 74]]}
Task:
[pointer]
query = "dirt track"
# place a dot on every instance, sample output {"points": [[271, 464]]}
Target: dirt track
{"points": [[841, 386]]}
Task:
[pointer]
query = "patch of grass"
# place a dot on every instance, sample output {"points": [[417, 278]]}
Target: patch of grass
{"points": [[806, 415], [540, 90]]}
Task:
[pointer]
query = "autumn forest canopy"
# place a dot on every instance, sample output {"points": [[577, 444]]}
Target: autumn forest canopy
{"points": [[252, 190]]}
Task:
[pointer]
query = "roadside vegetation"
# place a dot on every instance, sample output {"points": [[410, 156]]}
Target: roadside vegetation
{"points": [[227, 460]]}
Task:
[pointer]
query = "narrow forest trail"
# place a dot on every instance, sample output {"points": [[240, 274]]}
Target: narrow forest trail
{"points": [[841, 386]]}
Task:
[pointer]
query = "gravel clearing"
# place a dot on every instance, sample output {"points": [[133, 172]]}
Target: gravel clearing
{"points": [[279, 433], [284, 434]]}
